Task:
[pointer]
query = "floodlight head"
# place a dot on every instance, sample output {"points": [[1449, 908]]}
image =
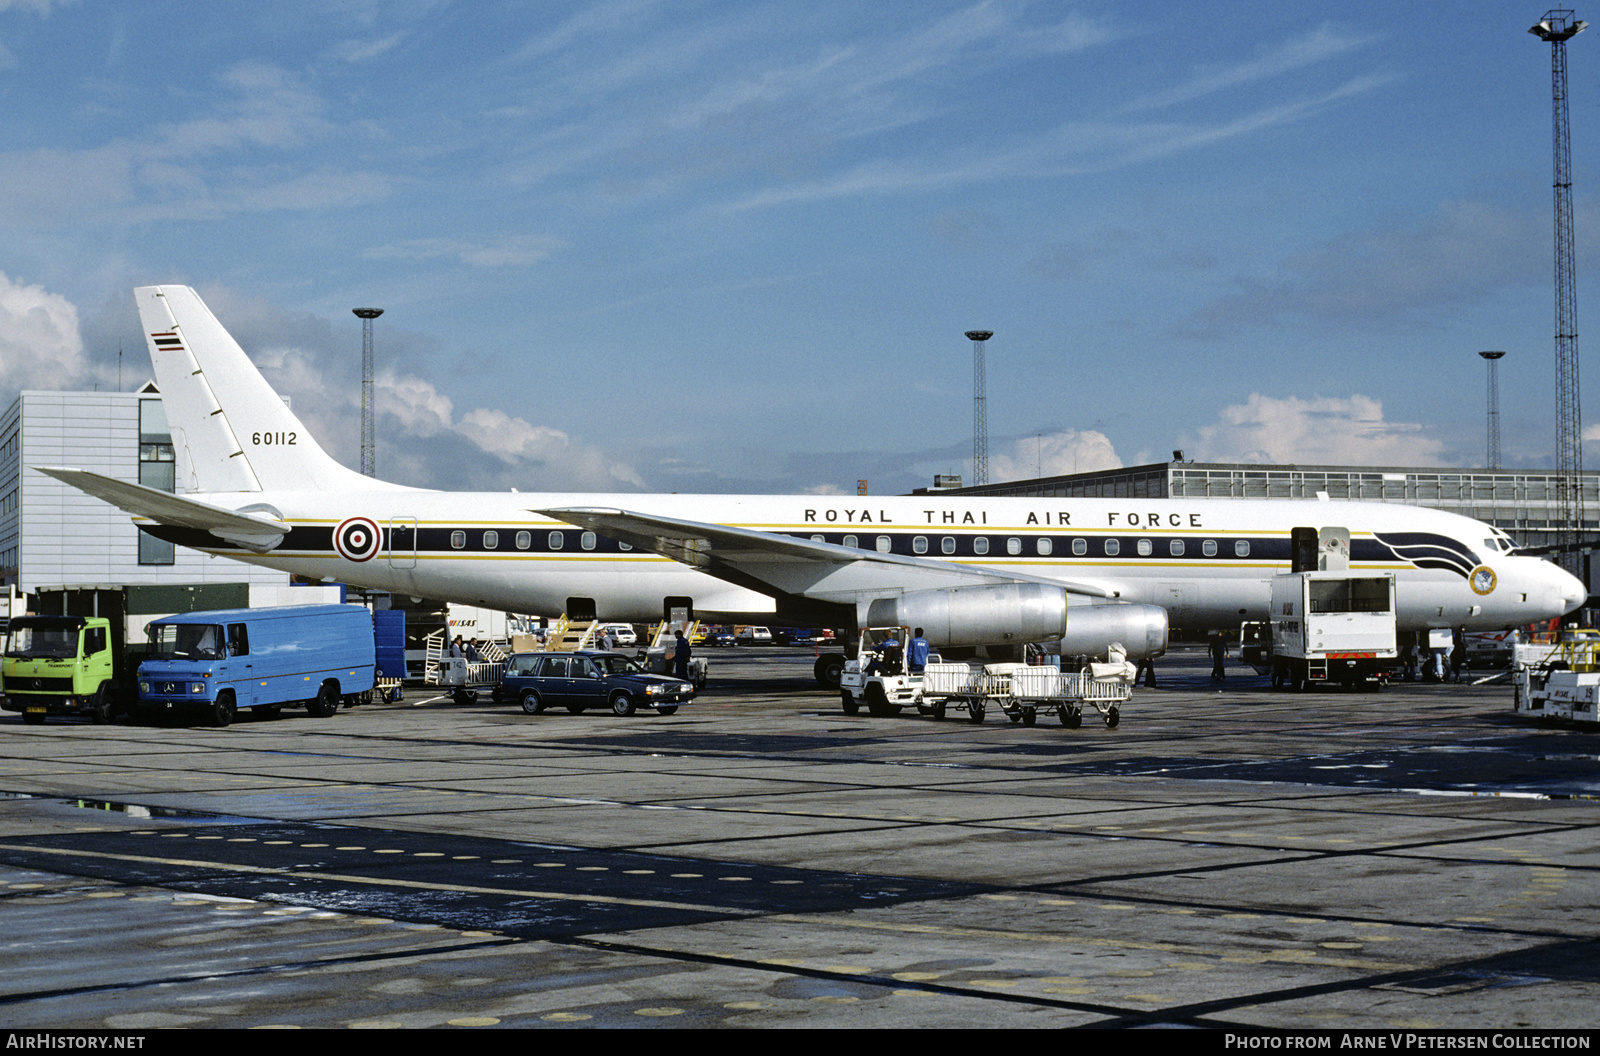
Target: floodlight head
{"points": [[979, 335], [1491, 355], [367, 313]]}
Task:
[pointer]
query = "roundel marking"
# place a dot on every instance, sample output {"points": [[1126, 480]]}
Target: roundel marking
{"points": [[1482, 580], [357, 539]]}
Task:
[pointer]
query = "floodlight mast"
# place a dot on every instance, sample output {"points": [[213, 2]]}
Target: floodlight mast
{"points": [[1557, 27], [368, 415], [1492, 359], [980, 410]]}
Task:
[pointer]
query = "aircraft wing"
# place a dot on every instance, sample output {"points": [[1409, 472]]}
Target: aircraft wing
{"points": [[253, 531], [770, 562]]}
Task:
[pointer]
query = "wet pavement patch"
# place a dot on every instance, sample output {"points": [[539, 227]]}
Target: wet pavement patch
{"points": [[519, 889]]}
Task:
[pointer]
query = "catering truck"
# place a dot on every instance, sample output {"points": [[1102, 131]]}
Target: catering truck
{"points": [[311, 656]]}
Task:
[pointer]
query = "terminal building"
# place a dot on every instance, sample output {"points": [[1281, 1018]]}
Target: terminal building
{"points": [[1523, 503], [53, 536]]}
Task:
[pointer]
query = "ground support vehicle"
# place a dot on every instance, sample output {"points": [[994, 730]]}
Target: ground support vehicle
{"points": [[588, 679], [1332, 627], [659, 657], [463, 679], [310, 656], [877, 677], [1560, 681], [1026, 691], [64, 665], [1032, 691]]}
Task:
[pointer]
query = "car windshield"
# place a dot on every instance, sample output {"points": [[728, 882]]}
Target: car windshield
{"points": [[186, 641], [32, 642], [617, 665]]}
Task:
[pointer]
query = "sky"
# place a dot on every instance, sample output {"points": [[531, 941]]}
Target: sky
{"points": [[687, 246]]}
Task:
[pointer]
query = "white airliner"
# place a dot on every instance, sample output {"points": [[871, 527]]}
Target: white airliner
{"points": [[1078, 573]]}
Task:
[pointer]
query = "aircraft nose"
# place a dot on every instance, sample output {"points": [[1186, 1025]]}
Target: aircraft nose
{"points": [[1571, 590]]}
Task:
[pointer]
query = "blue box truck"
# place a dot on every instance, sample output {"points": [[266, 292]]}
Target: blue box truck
{"points": [[310, 656]]}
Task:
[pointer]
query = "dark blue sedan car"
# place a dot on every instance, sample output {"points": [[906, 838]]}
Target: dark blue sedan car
{"points": [[590, 679]]}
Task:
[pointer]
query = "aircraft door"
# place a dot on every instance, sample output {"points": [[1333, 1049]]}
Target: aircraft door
{"points": [[403, 542]]}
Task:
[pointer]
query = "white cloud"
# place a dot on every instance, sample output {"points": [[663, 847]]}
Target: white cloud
{"points": [[1321, 430], [40, 344], [1055, 454]]}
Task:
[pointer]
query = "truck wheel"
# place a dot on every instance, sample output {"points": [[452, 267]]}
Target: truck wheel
{"points": [[828, 669], [222, 710], [848, 701], [100, 707], [326, 704]]}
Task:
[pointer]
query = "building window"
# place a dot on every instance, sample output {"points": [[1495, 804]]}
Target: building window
{"points": [[157, 469]]}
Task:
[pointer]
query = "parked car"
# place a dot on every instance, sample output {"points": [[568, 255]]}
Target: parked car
{"points": [[753, 636], [715, 637], [622, 634], [588, 679]]}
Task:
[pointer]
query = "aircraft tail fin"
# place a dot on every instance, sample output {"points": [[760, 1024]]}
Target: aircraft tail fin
{"points": [[231, 431]]}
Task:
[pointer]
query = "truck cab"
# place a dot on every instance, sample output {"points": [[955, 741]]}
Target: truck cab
{"points": [[61, 665]]}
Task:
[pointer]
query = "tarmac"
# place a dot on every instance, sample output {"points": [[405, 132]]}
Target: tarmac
{"points": [[1229, 856]]}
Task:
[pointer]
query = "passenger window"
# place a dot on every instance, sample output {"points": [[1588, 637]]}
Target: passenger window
{"points": [[818, 539], [850, 540], [1175, 548], [980, 545], [491, 540], [586, 540], [556, 540], [524, 540], [883, 544], [1113, 547], [582, 669], [1044, 546], [238, 639], [1013, 545], [947, 545], [458, 540], [554, 667], [1145, 548], [919, 545], [624, 546], [1241, 548], [1209, 548], [1080, 547]]}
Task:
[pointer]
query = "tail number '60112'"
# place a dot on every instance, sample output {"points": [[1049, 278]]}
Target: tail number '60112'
{"points": [[272, 438]]}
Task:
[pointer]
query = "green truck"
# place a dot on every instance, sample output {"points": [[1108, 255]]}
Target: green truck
{"points": [[64, 665]]}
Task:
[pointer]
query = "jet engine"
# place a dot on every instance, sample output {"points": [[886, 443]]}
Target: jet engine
{"points": [[1001, 613]]}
